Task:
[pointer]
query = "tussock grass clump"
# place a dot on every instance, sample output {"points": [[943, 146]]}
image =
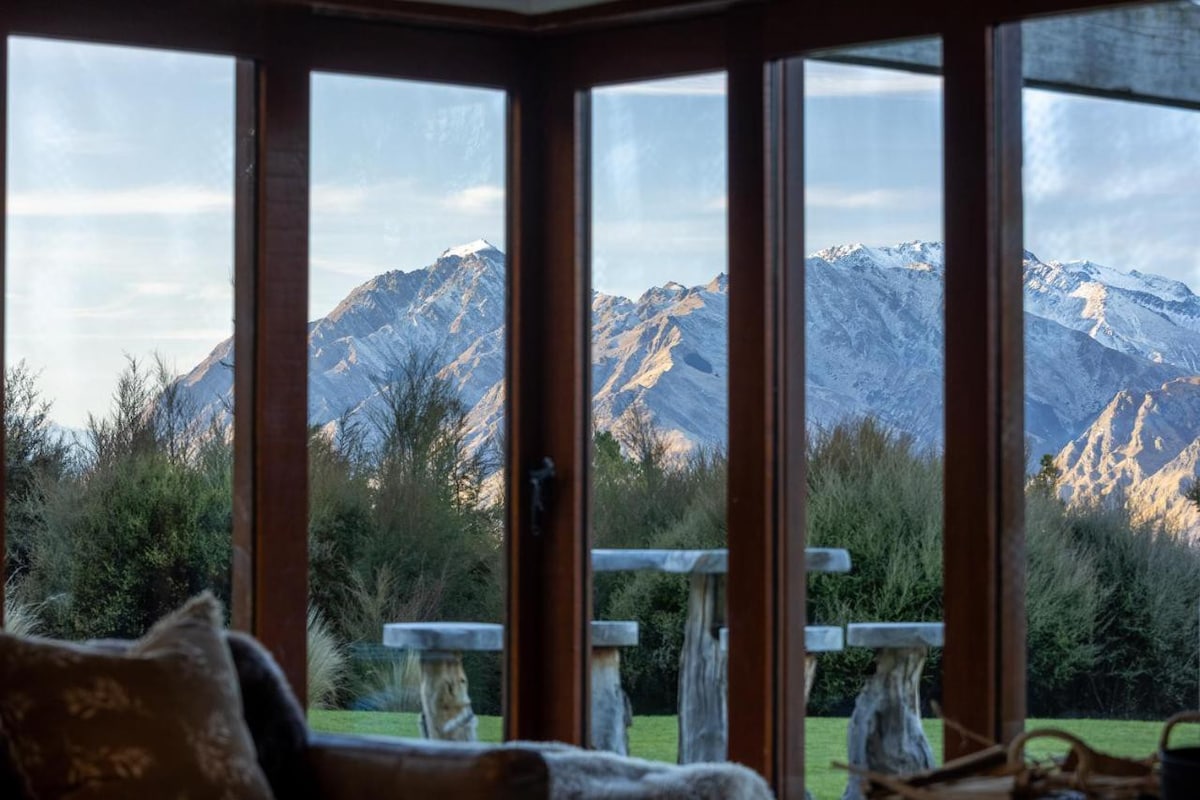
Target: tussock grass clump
{"points": [[20, 618], [327, 662]]}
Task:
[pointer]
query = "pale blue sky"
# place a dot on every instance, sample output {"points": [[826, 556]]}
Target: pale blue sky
{"points": [[121, 174]]}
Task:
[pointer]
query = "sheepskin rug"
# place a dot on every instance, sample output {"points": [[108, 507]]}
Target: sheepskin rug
{"points": [[577, 774]]}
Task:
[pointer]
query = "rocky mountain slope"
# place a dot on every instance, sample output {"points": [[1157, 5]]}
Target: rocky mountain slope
{"points": [[1098, 343]]}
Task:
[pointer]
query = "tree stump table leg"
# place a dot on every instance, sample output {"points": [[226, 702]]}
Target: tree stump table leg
{"points": [[446, 712], [611, 712], [810, 675], [702, 711], [885, 733]]}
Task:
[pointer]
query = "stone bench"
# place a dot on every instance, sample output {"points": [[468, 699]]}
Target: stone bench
{"points": [[611, 712], [885, 733], [446, 711]]}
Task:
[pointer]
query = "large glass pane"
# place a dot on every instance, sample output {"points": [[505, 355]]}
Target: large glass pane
{"points": [[875, 343], [406, 408], [118, 309], [659, 417], [1112, 359]]}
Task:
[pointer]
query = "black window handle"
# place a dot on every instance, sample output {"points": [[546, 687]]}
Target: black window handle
{"points": [[539, 484]]}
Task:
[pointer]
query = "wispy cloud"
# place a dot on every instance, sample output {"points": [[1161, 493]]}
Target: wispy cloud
{"points": [[330, 198], [842, 198], [483, 199], [138, 201], [851, 80]]}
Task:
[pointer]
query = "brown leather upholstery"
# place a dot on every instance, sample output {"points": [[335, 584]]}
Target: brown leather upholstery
{"points": [[352, 767]]}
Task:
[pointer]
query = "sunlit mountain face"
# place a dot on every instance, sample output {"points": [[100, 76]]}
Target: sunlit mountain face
{"points": [[1109, 358]]}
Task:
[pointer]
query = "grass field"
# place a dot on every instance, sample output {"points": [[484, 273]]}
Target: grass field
{"points": [[656, 738]]}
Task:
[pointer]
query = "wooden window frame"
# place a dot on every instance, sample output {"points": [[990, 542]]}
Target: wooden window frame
{"points": [[547, 66]]}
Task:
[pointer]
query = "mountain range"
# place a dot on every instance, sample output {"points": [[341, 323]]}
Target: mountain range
{"points": [[1111, 358]]}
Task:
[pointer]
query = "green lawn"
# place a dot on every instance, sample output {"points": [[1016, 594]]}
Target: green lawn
{"points": [[655, 738]]}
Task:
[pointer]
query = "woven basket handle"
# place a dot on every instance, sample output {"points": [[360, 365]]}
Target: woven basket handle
{"points": [[1016, 750], [1182, 716]]}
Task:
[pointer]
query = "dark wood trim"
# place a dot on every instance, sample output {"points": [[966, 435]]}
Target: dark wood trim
{"points": [[227, 27], [625, 13], [755, 688], [873, 20], [984, 500], [549, 576], [245, 27], [415, 53], [786, 240], [609, 14], [245, 275], [797, 28], [1007, 243], [650, 51], [419, 13], [281, 363]]}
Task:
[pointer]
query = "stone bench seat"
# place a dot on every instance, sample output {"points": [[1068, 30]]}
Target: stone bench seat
{"points": [[885, 733], [446, 711], [878, 635]]}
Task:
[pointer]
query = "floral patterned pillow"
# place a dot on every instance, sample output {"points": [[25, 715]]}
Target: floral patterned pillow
{"points": [[164, 721]]}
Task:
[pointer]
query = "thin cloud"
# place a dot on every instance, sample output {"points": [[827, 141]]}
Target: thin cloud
{"points": [[328, 198], [842, 198], [138, 201], [483, 199], [851, 80]]}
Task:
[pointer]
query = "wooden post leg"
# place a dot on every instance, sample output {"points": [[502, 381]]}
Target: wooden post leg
{"points": [[810, 675], [885, 730], [446, 711], [702, 708], [611, 712]]}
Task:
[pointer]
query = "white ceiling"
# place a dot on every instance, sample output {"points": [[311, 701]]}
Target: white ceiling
{"points": [[522, 6]]}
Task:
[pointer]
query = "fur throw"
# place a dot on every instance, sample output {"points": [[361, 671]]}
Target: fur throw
{"points": [[577, 774]]}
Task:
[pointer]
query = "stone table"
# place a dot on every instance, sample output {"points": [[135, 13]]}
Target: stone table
{"points": [[885, 733], [446, 711], [817, 639], [703, 720]]}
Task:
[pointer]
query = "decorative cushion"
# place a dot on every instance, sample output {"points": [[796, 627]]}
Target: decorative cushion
{"points": [[164, 721], [12, 780], [275, 719]]}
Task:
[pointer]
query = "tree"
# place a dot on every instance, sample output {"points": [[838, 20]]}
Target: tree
{"points": [[36, 459], [143, 522], [1045, 480], [400, 527], [1191, 492]]}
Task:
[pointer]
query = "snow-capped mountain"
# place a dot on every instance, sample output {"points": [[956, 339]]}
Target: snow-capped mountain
{"points": [[875, 347]]}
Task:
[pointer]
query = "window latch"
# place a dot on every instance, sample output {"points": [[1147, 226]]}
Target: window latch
{"points": [[539, 485]]}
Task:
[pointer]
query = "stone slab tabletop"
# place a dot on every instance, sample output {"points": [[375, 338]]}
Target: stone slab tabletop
{"points": [[823, 639], [817, 639], [444, 636], [606, 633], [487, 636], [704, 562], [881, 635]]}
